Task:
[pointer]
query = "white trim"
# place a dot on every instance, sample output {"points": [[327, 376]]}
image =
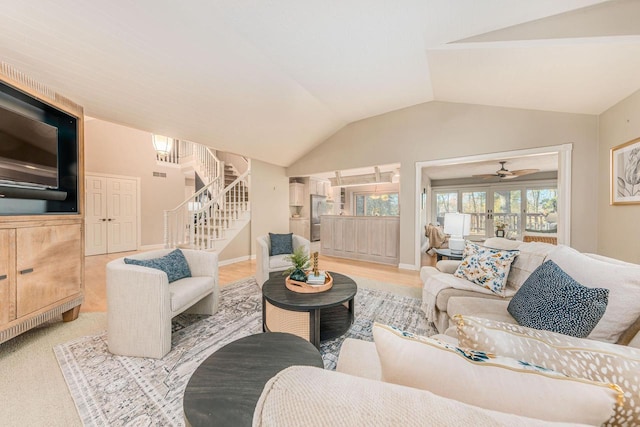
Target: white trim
{"points": [[234, 260], [253, 256], [564, 186], [408, 267]]}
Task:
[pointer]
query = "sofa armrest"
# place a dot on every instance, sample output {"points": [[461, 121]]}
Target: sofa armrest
{"points": [[138, 310], [447, 266], [341, 399], [359, 358]]}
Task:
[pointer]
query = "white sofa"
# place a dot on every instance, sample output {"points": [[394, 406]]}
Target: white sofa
{"points": [[445, 295], [356, 395], [266, 264], [141, 302]]}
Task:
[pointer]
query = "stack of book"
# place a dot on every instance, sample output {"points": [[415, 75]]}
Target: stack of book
{"points": [[316, 279]]}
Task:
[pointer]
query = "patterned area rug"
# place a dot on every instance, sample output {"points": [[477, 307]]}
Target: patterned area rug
{"points": [[113, 390]]}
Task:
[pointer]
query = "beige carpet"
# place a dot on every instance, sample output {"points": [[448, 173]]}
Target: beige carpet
{"points": [[33, 388]]}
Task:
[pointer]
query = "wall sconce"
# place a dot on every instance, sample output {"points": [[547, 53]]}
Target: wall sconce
{"points": [[162, 144]]}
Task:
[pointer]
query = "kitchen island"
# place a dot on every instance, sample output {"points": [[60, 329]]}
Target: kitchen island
{"points": [[364, 238]]}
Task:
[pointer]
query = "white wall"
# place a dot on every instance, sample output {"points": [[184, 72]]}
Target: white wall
{"points": [[440, 130], [618, 229], [269, 195], [120, 150]]}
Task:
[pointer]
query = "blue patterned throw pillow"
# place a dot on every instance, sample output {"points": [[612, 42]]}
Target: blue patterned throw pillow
{"points": [[552, 300], [486, 267], [174, 264], [281, 244]]}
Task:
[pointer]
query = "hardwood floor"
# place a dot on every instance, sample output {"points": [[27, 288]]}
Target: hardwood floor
{"points": [[95, 274]]}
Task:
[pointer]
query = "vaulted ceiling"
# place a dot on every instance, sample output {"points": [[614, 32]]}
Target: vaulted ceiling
{"points": [[272, 79]]}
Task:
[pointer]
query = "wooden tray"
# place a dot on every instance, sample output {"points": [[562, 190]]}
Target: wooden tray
{"points": [[304, 288]]}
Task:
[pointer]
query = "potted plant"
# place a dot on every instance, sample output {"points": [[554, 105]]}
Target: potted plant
{"points": [[300, 261], [500, 228]]}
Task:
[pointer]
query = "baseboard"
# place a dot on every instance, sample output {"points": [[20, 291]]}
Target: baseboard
{"points": [[234, 260], [408, 267], [151, 247]]}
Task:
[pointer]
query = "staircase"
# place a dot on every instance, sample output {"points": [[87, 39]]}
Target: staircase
{"points": [[214, 215]]}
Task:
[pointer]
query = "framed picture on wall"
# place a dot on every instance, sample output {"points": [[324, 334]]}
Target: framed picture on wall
{"points": [[625, 173]]}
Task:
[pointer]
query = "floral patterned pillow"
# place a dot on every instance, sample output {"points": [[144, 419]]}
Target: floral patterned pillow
{"points": [[486, 267]]}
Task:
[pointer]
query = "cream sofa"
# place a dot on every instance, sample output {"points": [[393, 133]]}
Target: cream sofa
{"points": [[445, 295], [355, 395], [141, 302]]}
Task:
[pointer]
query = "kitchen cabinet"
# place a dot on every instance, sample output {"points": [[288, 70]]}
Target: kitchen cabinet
{"points": [[296, 194], [318, 187], [364, 238], [300, 226]]}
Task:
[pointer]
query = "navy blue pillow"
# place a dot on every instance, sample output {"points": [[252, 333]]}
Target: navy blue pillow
{"points": [[552, 300], [174, 264], [281, 244]]}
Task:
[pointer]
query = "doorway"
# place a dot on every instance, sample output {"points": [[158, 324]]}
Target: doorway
{"points": [[111, 220], [563, 222]]}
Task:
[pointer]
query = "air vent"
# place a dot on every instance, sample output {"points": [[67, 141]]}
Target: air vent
{"points": [[160, 174]]}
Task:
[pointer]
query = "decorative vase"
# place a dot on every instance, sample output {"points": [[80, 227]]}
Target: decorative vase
{"points": [[500, 232], [298, 275]]}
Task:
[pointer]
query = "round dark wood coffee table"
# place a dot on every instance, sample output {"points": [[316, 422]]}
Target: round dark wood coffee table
{"points": [[315, 317], [225, 388]]}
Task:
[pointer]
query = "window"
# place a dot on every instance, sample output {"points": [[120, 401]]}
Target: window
{"points": [[377, 204], [446, 202], [542, 210], [475, 203], [507, 210], [522, 208]]}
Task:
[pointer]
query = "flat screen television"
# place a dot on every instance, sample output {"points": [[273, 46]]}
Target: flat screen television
{"points": [[38, 156], [28, 151]]}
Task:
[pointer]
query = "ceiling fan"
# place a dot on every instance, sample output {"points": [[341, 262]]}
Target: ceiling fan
{"points": [[504, 173]]}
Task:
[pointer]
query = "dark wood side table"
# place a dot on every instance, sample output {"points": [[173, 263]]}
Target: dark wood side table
{"points": [[225, 388], [315, 317], [446, 253]]}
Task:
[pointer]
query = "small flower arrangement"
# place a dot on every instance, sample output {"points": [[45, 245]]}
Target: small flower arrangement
{"points": [[500, 225]]}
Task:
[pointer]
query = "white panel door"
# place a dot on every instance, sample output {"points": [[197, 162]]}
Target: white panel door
{"points": [[96, 215], [111, 217], [122, 214]]}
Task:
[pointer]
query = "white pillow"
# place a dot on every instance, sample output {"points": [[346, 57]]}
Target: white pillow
{"points": [[623, 282], [489, 381], [576, 357]]}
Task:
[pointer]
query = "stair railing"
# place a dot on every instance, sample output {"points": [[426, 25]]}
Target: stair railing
{"points": [[203, 219]]}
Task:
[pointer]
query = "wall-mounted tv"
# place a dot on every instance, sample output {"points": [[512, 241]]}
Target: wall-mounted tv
{"points": [[28, 151], [38, 156]]}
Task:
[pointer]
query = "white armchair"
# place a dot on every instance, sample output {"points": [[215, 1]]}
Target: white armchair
{"points": [[141, 302], [266, 264]]}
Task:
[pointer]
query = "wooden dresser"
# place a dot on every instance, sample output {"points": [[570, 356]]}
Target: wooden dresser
{"points": [[42, 252]]}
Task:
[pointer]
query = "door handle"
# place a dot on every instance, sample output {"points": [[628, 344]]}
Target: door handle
{"points": [[3, 277], [26, 271], [103, 219]]}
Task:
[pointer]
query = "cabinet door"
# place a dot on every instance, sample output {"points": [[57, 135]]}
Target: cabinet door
{"points": [[7, 280], [49, 265]]}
